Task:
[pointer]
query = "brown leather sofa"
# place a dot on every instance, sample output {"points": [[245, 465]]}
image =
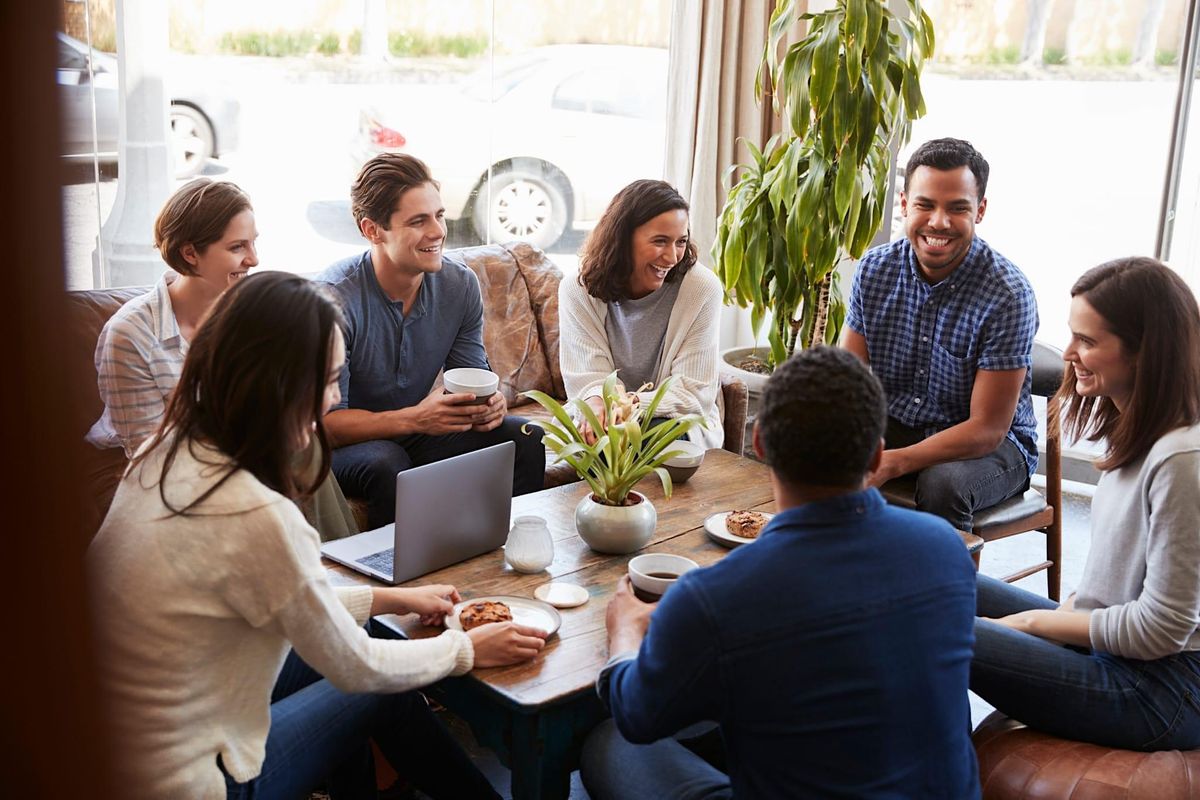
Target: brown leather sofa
{"points": [[520, 299]]}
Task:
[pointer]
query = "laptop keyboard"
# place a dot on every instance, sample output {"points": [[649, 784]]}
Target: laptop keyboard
{"points": [[381, 561]]}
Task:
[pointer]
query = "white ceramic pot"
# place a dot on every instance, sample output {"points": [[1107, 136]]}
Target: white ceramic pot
{"points": [[615, 529], [753, 380]]}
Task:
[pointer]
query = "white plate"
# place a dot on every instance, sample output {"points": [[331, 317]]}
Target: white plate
{"points": [[714, 526], [525, 611]]}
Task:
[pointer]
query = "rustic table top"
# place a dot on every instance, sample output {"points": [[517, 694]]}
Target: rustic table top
{"points": [[573, 656]]}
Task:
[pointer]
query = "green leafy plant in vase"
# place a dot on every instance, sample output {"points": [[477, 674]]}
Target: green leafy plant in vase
{"points": [[613, 518]]}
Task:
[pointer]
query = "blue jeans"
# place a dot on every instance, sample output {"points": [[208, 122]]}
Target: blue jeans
{"points": [[368, 469], [669, 769], [1081, 694], [955, 490], [319, 735]]}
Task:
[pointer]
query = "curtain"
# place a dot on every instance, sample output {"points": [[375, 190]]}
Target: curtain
{"points": [[715, 51]]}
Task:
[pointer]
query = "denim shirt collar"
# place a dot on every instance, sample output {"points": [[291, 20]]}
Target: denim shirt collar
{"points": [[851, 506]]}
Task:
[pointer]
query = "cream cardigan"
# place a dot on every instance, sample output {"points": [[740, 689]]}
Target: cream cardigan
{"points": [[196, 615], [689, 350]]}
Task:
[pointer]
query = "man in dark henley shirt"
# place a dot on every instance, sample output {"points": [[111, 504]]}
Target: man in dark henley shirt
{"points": [[410, 312]]}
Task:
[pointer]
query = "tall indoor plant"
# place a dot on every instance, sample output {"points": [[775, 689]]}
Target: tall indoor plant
{"points": [[613, 518], [847, 92]]}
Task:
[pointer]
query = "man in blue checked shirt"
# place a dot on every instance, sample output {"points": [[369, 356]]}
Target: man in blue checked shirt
{"points": [[947, 325]]}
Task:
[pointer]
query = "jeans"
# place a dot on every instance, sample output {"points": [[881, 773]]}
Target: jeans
{"points": [[955, 490], [368, 469], [320, 735], [1077, 693], [669, 769]]}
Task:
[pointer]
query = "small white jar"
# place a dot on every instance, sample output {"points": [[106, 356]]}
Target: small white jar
{"points": [[529, 547]]}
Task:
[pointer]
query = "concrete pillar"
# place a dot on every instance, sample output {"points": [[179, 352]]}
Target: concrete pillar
{"points": [[144, 157], [375, 30]]}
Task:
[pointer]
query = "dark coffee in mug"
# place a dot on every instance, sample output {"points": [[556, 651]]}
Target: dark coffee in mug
{"points": [[650, 597]]}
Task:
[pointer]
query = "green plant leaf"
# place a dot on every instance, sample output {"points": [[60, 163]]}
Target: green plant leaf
{"points": [[825, 60], [843, 188]]}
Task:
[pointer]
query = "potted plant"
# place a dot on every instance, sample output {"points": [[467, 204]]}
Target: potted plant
{"points": [[613, 518], [847, 92]]}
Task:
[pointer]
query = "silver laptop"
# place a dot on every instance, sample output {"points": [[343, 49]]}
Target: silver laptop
{"points": [[446, 512]]}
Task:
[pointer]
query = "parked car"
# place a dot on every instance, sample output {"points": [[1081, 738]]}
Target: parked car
{"points": [[203, 124], [538, 144]]}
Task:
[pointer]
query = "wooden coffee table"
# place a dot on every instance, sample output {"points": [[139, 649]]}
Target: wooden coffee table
{"points": [[535, 715]]}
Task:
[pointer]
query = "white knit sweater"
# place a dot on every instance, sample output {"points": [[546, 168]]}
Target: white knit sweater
{"points": [[689, 350], [196, 615]]}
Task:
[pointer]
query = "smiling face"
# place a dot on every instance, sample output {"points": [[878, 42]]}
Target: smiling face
{"points": [[1103, 365], [941, 209], [655, 248], [228, 259], [416, 233]]}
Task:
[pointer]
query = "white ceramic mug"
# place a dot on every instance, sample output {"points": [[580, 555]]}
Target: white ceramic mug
{"points": [[482, 383], [653, 573]]}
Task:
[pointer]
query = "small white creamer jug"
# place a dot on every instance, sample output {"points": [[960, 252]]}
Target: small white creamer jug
{"points": [[529, 547]]}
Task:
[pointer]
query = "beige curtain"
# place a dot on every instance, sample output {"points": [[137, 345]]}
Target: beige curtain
{"points": [[715, 50]]}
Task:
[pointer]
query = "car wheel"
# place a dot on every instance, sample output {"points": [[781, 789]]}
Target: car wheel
{"points": [[523, 204], [192, 139]]}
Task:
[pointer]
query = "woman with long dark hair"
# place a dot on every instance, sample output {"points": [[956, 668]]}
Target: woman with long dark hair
{"points": [[1118, 663], [642, 308], [205, 572]]}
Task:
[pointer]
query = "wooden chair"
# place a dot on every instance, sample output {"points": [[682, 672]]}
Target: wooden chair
{"points": [[1033, 510]]}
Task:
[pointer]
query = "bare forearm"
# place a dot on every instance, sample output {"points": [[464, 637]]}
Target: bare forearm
{"points": [[1067, 627], [625, 639], [970, 439], [353, 425]]}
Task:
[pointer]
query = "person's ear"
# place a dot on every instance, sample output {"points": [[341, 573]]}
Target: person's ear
{"points": [[188, 251], [756, 443], [876, 459], [982, 208], [369, 229]]}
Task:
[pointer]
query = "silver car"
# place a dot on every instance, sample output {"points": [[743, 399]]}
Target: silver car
{"points": [[537, 145], [203, 125]]}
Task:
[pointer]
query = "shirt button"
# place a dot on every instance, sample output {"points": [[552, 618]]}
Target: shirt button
{"points": [[924, 338], [920, 372], [917, 400]]}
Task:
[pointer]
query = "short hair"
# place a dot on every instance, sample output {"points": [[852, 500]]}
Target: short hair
{"points": [[821, 418], [254, 382], [606, 260], [1152, 311], [380, 184], [948, 154], [197, 214]]}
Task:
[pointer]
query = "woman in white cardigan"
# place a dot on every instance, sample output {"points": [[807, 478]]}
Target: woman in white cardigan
{"points": [[644, 307], [205, 572]]}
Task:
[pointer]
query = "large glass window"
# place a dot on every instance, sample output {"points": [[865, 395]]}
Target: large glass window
{"points": [[530, 119]]}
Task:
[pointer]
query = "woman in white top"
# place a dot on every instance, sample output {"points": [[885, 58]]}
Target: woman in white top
{"points": [[206, 234], [1118, 663], [205, 572], [641, 306]]}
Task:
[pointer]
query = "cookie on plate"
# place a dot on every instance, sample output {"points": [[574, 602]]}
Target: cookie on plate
{"points": [[746, 524], [475, 614]]}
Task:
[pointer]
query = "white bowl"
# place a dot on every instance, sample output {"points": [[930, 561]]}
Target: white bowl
{"points": [[468, 380], [684, 466], [643, 567]]}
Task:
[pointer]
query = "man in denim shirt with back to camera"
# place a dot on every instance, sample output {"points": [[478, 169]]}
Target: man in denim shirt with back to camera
{"points": [[832, 652], [947, 324]]}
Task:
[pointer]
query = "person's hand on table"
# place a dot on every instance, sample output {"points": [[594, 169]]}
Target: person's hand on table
{"points": [[492, 414], [498, 644], [432, 602]]}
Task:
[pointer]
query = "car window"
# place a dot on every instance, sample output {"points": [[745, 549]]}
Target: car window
{"points": [[70, 58], [614, 91]]}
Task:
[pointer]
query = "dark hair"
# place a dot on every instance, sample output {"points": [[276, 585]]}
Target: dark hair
{"points": [[197, 214], [254, 381], [1152, 311], [821, 417], [606, 260], [380, 183], [948, 154]]}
